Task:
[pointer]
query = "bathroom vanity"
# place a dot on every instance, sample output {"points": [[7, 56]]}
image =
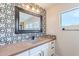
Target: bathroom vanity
{"points": [[41, 47], [46, 49]]}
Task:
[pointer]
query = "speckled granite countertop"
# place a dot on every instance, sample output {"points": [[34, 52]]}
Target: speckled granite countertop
{"points": [[12, 49]]}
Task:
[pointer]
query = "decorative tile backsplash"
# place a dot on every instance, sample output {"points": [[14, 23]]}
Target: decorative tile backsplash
{"points": [[7, 23]]}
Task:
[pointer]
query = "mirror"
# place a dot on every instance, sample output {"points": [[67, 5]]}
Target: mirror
{"points": [[27, 22]]}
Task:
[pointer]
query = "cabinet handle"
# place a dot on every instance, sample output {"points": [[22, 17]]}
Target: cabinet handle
{"points": [[52, 54], [40, 54], [52, 42], [52, 47]]}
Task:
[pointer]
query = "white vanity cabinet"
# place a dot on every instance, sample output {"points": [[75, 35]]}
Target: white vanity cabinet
{"points": [[47, 49]]}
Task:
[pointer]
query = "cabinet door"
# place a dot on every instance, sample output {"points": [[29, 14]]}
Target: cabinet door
{"points": [[34, 50], [44, 49], [51, 49], [44, 52], [40, 50], [25, 53]]}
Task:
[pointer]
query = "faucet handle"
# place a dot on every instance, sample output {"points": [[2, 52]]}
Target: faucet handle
{"points": [[33, 37]]}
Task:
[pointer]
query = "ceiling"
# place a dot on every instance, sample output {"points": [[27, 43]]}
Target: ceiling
{"points": [[46, 5]]}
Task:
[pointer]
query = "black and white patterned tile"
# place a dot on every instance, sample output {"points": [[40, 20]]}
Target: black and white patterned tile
{"points": [[7, 23]]}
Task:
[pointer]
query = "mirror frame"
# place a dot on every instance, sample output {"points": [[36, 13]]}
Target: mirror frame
{"points": [[17, 31]]}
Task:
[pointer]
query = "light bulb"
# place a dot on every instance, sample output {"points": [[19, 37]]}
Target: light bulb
{"points": [[33, 8], [27, 6], [37, 10]]}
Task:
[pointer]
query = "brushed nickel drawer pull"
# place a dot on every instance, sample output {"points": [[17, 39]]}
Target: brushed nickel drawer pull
{"points": [[52, 54], [52, 47], [52, 42], [40, 54]]}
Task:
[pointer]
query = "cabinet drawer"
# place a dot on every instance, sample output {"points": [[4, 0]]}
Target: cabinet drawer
{"points": [[34, 50], [44, 46]]}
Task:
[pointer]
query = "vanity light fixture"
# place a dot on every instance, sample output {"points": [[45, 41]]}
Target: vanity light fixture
{"points": [[33, 8]]}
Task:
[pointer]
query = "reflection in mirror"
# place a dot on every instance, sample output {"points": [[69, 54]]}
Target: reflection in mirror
{"points": [[28, 22]]}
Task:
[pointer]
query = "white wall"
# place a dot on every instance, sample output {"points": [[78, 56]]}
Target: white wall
{"points": [[67, 43]]}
